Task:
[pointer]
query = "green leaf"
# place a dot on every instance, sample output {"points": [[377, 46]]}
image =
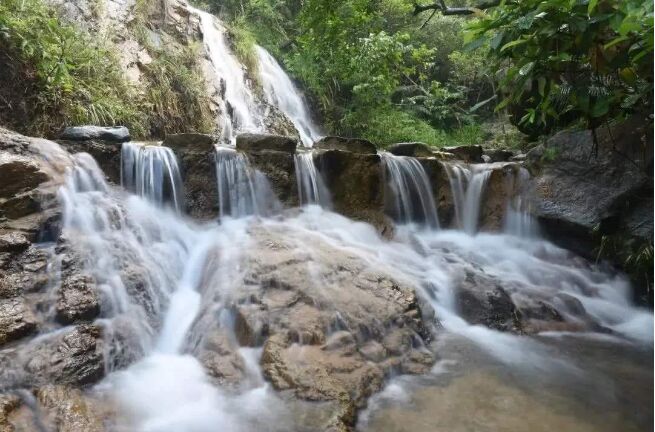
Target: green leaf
{"points": [[592, 6], [600, 107], [513, 44]]}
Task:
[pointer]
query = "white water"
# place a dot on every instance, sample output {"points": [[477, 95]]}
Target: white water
{"points": [[282, 93], [240, 111], [242, 190], [311, 188], [183, 268], [152, 171], [410, 194]]}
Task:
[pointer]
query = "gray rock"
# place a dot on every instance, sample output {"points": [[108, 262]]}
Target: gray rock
{"points": [[197, 141], [74, 357], [77, 299], [16, 320], [498, 155], [19, 174], [354, 145], [13, 242], [117, 134], [249, 142], [481, 300], [415, 149], [582, 192], [467, 153]]}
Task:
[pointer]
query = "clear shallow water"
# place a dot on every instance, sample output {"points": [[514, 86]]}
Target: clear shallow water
{"points": [[601, 386]]}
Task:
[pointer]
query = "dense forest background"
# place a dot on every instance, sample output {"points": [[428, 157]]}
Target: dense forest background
{"points": [[388, 70]]}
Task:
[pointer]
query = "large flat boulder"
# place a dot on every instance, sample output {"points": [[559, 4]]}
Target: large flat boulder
{"points": [[196, 141], [249, 142], [414, 149], [116, 134], [354, 145], [466, 153]]}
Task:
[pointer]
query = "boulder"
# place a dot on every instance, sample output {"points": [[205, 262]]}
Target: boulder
{"points": [[354, 145], [249, 142], [467, 153], [13, 241], [19, 174], [498, 155], [197, 141], [355, 183], [414, 149], [481, 300], [196, 157], [116, 134], [74, 357], [16, 320], [77, 299], [584, 192], [279, 168]]}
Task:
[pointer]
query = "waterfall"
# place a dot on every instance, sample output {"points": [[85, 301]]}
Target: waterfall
{"points": [[518, 217], [410, 198], [282, 93], [239, 109], [473, 200], [467, 186], [311, 188], [152, 171], [242, 190]]}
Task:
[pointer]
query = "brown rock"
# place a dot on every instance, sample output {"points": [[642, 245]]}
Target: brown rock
{"points": [[353, 145], [16, 320]]}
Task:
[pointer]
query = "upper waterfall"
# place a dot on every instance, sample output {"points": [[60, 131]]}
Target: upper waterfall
{"points": [[281, 92], [239, 109]]}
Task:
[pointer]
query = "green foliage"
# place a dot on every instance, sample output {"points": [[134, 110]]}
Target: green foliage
{"points": [[61, 74], [385, 126], [564, 60], [635, 257], [175, 95], [243, 43], [360, 60]]}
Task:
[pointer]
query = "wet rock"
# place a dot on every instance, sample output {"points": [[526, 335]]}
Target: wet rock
{"points": [[197, 141], [68, 410], [467, 153], [106, 153], [16, 320], [280, 170], [74, 357], [481, 300], [584, 192], [19, 174], [220, 358], [354, 145], [442, 193], [414, 149], [117, 134], [249, 142], [498, 155], [77, 299], [502, 186], [195, 155], [13, 242], [355, 183]]}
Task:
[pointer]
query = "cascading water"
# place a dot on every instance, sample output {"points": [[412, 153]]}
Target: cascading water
{"points": [[477, 183], [167, 285], [467, 185], [242, 190], [240, 110], [152, 171], [311, 188], [282, 93], [410, 198], [518, 217]]}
